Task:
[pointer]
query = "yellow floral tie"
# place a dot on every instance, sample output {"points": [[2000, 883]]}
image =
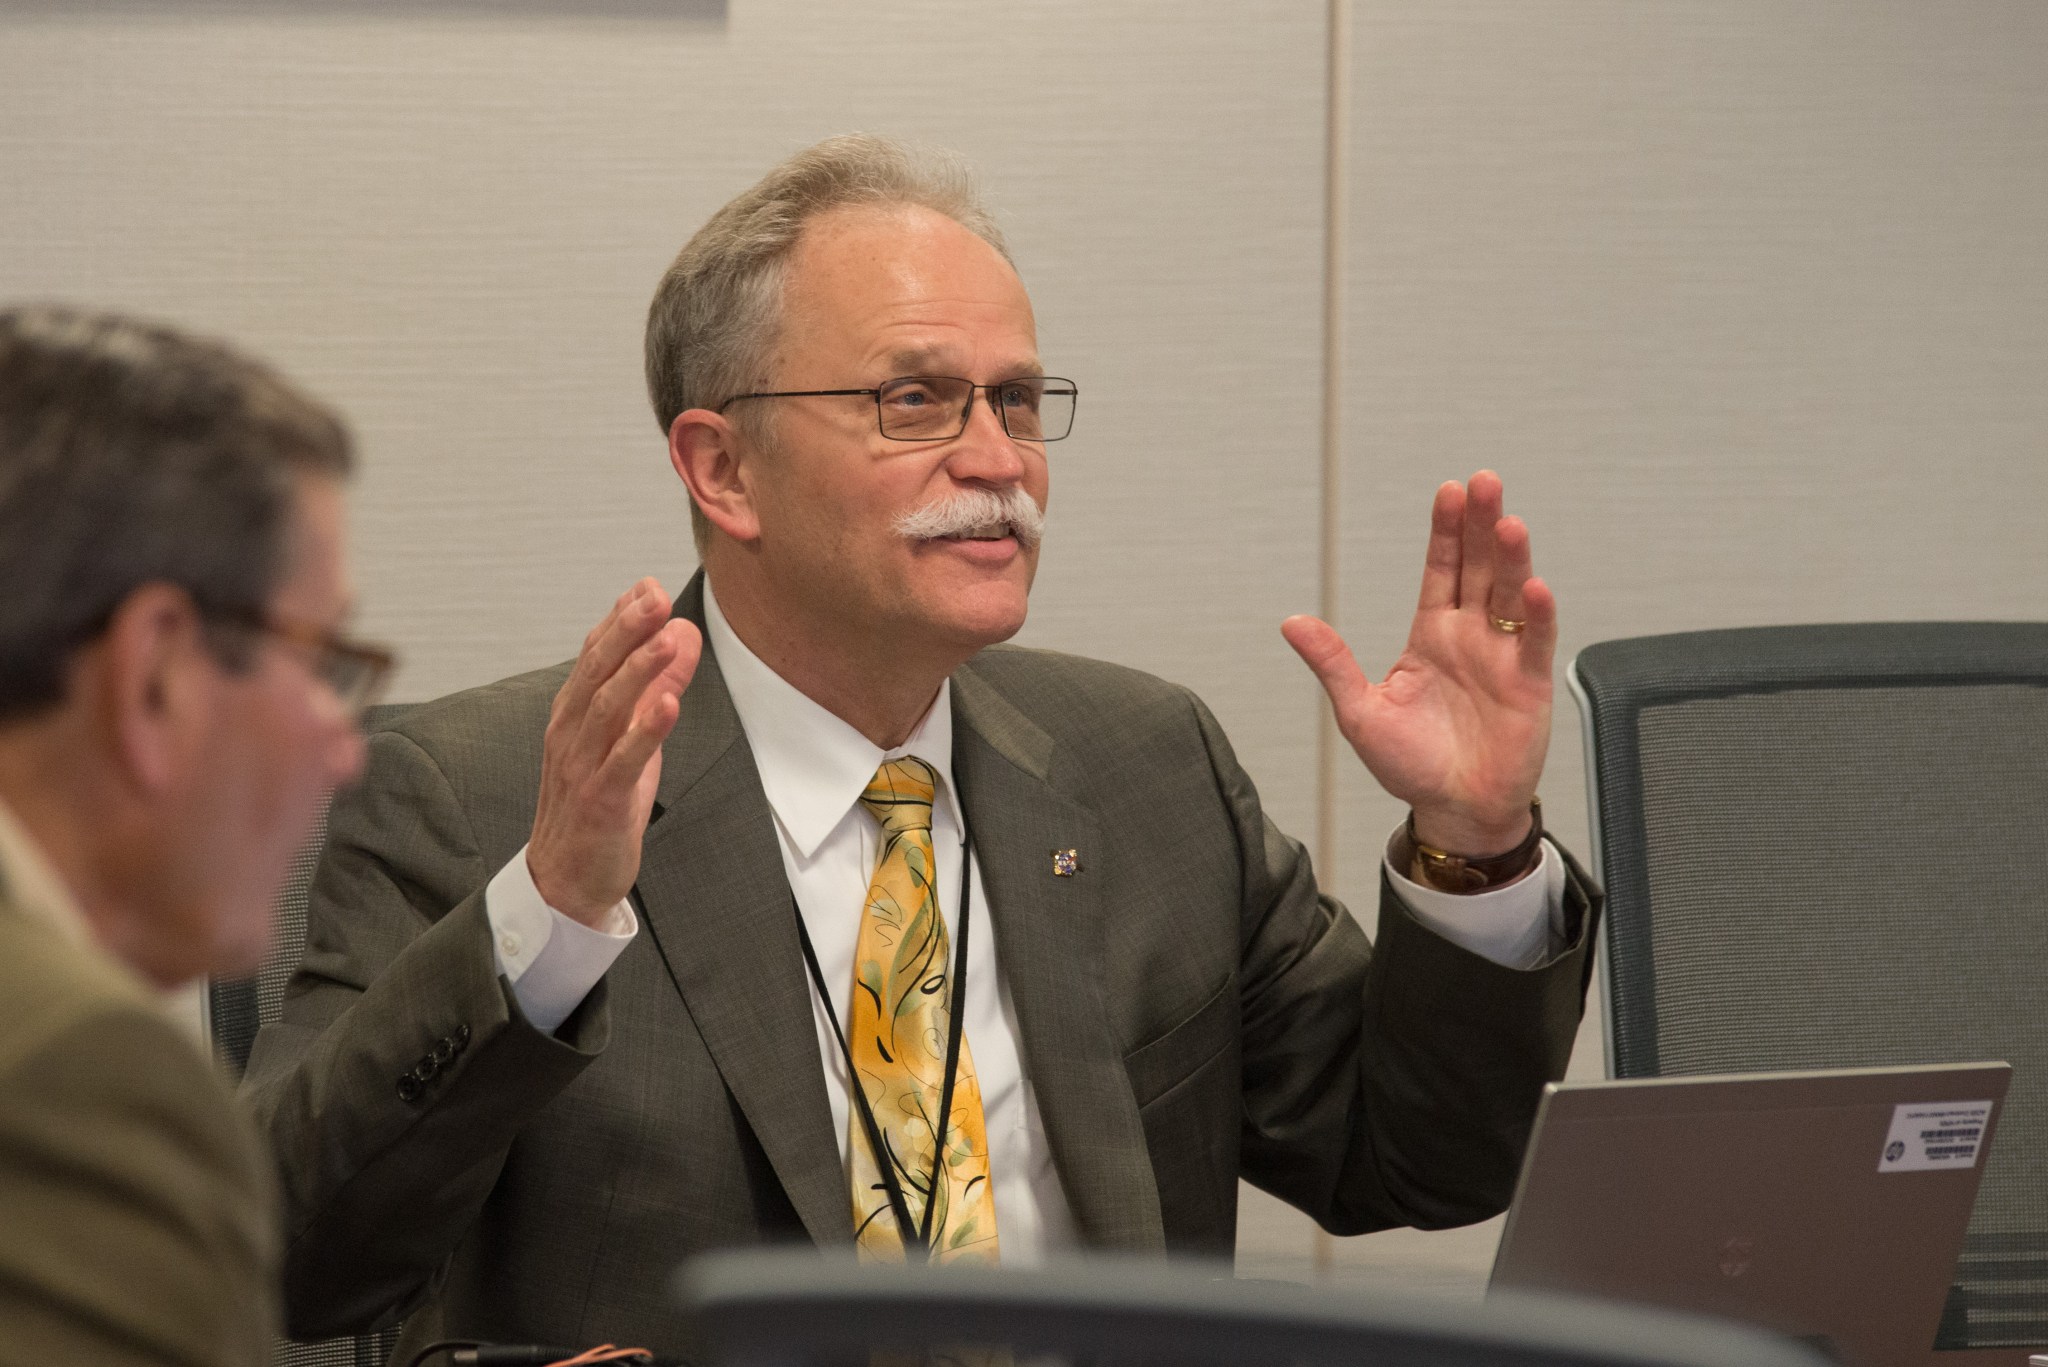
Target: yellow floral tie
{"points": [[898, 1028]]}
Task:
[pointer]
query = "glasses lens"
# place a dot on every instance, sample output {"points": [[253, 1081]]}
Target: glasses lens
{"points": [[355, 674], [922, 407], [1037, 408], [934, 408]]}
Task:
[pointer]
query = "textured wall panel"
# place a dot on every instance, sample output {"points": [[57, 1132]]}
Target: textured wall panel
{"points": [[451, 222], [1745, 299]]}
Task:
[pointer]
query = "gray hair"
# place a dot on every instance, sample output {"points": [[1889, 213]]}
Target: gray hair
{"points": [[713, 323], [133, 454]]}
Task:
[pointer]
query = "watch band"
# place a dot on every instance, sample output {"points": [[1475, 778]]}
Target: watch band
{"points": [[1447, 872]]}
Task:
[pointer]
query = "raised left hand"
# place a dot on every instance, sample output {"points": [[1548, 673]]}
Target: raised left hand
{"points": [[1459, 727]]}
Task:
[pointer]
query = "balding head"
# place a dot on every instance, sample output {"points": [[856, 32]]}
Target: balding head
{"points": [[716, 316]]}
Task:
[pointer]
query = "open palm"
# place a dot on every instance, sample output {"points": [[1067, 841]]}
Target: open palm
{"points": [[1459, 727]]}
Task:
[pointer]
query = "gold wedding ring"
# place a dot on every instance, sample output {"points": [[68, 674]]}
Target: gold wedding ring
{"points": [[1509, 625]]}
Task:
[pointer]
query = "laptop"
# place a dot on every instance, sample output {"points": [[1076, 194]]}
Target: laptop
{"points": [[1829, 1206]]}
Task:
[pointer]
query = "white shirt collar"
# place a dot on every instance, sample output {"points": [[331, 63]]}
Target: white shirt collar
{"points": [[34, 887], [813, 765]]}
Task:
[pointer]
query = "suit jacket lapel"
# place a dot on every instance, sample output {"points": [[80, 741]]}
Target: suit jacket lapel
{"points": [[1046, 930], [718, 906]]}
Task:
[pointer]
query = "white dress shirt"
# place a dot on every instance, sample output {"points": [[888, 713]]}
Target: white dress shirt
{"points": [[813, 768]]}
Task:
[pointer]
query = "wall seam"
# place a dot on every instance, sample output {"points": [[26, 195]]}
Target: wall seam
{"points": [[1329, 745]]}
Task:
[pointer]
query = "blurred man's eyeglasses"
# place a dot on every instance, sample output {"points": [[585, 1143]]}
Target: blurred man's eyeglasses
{"points": [[355, 670], [936, 407]]}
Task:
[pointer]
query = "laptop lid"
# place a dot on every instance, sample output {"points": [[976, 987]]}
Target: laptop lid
{"points": [[1827, 1205]]}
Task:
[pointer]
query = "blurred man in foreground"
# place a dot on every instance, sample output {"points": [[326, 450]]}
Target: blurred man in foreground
{"points": [[175, 704], [801, 908]]}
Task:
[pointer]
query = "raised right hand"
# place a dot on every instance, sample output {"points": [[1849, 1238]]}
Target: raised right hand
{"points": [[601, 761], [1460, 726]]}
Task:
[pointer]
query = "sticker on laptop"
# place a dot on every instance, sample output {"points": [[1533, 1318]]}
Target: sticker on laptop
{"points": [[1935, 1134]]}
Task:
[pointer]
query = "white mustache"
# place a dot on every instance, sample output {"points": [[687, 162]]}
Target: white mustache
{"points": [[973, 510]]}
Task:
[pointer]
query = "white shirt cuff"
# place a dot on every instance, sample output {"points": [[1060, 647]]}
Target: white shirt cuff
{"points": [[1518, 926], [551, 960]]}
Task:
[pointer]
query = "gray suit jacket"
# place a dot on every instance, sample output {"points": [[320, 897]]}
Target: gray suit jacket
{"points": [[137, 1220], [1191, 1010]]}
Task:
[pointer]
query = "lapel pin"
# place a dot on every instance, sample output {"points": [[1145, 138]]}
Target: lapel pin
{"points": [[1066, 863]]}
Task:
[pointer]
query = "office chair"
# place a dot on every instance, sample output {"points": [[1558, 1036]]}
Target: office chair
{"points": [[237, 1009], [793, 1307], [1827, 846]]}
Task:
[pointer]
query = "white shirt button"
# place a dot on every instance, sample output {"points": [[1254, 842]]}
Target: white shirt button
{"points": [[510, 944]]}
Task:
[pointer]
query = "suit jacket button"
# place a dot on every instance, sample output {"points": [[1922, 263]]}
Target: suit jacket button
{"points": [[444, 1052], [461, 1037], [408, 1089], [423, 1071]]}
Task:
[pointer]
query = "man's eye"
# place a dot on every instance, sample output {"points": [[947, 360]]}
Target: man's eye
{"points": [[1020, 396], [910, 395]]}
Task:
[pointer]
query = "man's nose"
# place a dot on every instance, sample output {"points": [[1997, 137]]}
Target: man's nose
{"points": [[986, 451]]}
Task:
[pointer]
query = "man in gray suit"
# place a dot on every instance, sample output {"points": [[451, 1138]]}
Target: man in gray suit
{"points": [[590, 961], [174, 708]]}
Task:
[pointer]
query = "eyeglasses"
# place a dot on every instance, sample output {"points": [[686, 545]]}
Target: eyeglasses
{"points": [[355, 670], [936, 407]]}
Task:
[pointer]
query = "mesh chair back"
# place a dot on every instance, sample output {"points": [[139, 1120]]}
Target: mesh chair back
{"points": [[237, 1008], [788, 1308], [1828, 846]]}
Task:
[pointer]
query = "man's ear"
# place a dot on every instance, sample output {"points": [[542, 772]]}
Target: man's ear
{"points": [[156, 676], [717, 465]]}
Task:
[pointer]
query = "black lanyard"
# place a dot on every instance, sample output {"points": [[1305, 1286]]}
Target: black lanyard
{"points": [[914, 1236]]}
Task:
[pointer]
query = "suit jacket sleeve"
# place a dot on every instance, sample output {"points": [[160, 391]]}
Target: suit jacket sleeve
{"points": [[1391, 1083], [135, 1221], [402, 1070]]}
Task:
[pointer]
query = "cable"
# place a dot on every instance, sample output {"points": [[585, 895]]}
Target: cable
{"points": [[605, 1352], [472, 1353], [444, 1346]]}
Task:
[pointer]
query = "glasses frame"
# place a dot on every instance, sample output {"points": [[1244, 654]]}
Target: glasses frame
{"points": [[1072, 390], [368, 665]]}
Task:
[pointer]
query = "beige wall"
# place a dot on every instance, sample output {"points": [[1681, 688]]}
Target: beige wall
{"points": [[1746, 299]]}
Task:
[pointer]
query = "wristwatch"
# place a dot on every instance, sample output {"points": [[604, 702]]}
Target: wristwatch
{"points": [[1447, 872]]}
